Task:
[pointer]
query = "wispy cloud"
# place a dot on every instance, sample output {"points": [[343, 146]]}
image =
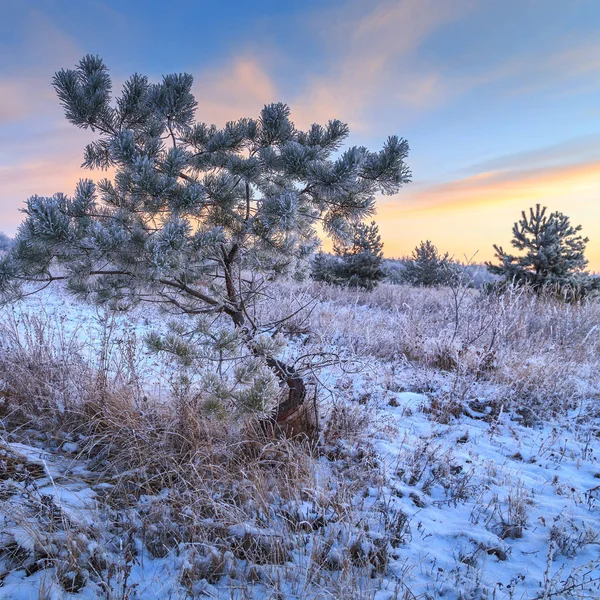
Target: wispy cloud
{"points": [[239, 89], [41, 177], [39, 153], [370, 59], [365, 62], [580, 149], [469, 214], [496, 187], [579, 57], [25, 90], [42, 45], [13, 100], [371, 62]]}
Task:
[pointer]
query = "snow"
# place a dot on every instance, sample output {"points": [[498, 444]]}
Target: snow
{"points": [[486, 507]]}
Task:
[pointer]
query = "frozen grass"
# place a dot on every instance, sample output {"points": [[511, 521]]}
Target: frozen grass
{"points": [[457, 459], [543, 355]]}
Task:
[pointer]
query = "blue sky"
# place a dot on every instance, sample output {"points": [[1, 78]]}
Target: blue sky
{"points": [[499, 99]]}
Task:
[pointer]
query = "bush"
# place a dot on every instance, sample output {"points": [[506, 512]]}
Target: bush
{"points": [[552, 256]]}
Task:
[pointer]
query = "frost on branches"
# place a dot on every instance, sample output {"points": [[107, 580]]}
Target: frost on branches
{"points": [[552, 255], [357, 263], [197, 218], [427, 267]]}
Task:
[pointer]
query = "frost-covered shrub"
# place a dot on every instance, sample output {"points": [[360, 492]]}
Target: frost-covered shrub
{"points": [[395, 271], [324, 268], [551, 256]]}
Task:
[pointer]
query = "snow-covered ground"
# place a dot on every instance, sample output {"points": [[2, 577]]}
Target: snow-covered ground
{"points": [[434, 479]]}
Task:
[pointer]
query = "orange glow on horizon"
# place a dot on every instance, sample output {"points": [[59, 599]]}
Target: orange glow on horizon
{"points": [[466, 217]]}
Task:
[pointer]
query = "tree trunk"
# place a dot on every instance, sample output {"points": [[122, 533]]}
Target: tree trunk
{"points": [[294, 415]]}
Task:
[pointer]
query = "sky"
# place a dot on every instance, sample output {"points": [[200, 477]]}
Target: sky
{"points": [[499, 100]]}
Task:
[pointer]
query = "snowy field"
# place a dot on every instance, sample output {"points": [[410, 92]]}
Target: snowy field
{"points": [[458, 456]]}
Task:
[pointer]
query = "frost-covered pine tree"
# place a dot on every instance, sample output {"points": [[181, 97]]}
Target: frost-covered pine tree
{"points": [[198, 218], [325, 268], [355, 263], [552, 253], [427, 267], [362, 258]]}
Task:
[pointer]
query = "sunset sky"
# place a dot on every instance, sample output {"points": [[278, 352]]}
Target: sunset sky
{"points": [[499, 99]]}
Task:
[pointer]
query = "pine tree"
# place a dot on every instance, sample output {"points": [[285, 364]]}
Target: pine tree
{"points": [[357, 263], [325, 268], [427, 267], [552, 253], [362, 259], [197, 218]]}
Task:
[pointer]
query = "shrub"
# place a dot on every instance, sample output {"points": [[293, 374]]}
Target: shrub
{"points": [[552, 255]]}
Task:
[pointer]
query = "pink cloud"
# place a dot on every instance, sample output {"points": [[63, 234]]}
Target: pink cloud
{"points": [[372, 53], [240, 89], [13, 101], [532, 185], [27, 93]]}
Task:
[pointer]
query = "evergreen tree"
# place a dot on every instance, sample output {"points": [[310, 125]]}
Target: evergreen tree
{"points": [[326, 268], [198, 217], [427, 267], [552, 253], [357, 263], [362, 259]]}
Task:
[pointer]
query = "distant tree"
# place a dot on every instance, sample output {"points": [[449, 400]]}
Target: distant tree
{"points": [[427, 267], [325, 268], [362, 259], [357, 263], [5, 242], [552, 253], [198, 218]]}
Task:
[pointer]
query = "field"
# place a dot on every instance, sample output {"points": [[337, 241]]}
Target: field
{"points": [[457, 456]]}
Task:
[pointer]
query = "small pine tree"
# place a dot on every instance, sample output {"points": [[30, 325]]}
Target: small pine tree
{"points": [[552, 253], [357, 264], [427, 267], [325, 268], [361, 262]]}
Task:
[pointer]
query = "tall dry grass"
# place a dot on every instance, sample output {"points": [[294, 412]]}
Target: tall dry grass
{"points": [[536, 352], [231, 503], [223, 498]]}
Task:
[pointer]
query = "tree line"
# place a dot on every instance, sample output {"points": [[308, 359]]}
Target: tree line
{"points": [[551, 257]]}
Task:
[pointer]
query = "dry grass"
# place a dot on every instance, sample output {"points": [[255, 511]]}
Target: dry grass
{"points": [[539, 352], [234, 504], [223, 495]]}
